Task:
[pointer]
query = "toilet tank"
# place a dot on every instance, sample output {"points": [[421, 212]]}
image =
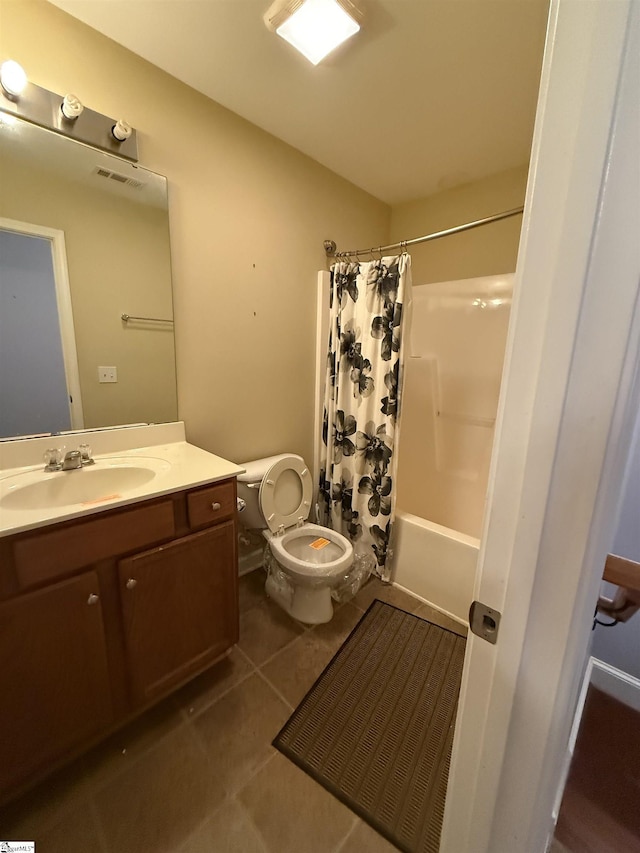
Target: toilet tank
{"points": [[249, 487]]}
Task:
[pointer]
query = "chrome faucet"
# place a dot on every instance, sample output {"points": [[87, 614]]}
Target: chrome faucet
{"points": [[72, 460]]}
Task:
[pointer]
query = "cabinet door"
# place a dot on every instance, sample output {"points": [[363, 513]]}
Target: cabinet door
{"points": [[54, 679], [180, 608]]}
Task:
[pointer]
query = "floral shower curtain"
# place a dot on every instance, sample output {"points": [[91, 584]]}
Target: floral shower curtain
{"points": [[362, 400]]}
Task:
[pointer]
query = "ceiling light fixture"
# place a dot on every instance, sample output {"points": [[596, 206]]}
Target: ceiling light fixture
{"points": [[13, 78], [314, 27]]}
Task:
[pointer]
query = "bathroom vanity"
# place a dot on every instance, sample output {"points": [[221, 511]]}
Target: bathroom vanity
{"points": [[109, 604]]}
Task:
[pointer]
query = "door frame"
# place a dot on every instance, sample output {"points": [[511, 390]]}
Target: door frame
{"points": [[558, 460], [65, 310]]}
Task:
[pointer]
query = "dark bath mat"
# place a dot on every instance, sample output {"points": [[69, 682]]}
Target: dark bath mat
{"points": [[376, 728]]}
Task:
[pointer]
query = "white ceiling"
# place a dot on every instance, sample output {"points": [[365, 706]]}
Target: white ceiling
{"points": [[430, 94]]}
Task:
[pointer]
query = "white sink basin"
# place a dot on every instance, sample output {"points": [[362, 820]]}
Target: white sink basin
{"points": [[107, 480]]}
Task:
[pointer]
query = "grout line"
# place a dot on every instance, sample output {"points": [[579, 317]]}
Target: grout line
{"points": [[275, 690], [341, 844], [245, 656], [209, 816], [190, 715], [249, 817], [185, 841], [229, 798], [260, 767], [97, 821], [275, 654]]}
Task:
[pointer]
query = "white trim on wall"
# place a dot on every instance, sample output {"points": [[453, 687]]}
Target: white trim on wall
{"points": [[65, 310], [615, 683]]}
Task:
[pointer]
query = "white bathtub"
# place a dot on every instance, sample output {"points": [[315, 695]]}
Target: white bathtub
{"points": [[435, 563]]}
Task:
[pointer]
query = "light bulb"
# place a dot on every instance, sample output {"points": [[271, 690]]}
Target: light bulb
{"points": [[121, 130], [13, 77], [71, 107]]}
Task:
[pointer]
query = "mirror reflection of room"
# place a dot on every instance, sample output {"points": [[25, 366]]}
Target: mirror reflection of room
{"points": [[84, 239]]}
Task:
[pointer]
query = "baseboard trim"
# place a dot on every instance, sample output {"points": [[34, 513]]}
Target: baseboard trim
{"points": [[616, 683], [453, 616]]}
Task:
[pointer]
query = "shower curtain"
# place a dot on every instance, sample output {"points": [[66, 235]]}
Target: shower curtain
{"points": [[362, 402]]}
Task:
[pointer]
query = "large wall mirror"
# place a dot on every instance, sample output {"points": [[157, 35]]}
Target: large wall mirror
{"points": [[84, 240]]}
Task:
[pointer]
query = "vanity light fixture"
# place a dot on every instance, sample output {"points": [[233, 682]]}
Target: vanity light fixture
{"points": [[314, 27], [22, 99], [13, 78], [71, 107]]}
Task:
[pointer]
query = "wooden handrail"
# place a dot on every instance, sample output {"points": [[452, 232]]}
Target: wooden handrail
{"points": [[622, 572], [625, 575]]}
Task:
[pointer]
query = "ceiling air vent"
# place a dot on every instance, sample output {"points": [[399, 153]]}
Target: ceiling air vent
{"points": [[121, 179]]}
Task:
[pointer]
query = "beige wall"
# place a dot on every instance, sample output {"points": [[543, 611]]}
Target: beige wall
{"points": [[248, 218], [118, 261], [489, 250]]}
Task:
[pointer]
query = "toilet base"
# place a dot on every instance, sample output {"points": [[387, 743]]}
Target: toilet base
{"points": [[311, 605]]}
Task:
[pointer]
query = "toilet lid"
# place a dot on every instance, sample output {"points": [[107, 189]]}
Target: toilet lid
{"points": [[285, 493]]}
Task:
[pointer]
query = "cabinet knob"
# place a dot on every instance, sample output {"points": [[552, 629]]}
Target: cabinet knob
{"points": [[93, 598], [131, 583], [215, 506]]}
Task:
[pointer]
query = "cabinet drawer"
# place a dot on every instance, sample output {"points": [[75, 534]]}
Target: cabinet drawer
{"points": [[213, 504], [47, 555]]}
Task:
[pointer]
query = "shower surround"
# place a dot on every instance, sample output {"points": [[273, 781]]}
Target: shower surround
{"points": [[452, 378]]}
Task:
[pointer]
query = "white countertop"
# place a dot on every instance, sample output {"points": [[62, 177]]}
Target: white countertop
{"points": [[188, 466]]}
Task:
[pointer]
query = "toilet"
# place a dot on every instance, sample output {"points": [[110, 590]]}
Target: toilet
{"points": [[304, 560]]}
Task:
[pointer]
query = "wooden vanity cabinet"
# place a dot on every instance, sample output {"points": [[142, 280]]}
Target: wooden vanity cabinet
{"points": [[179, 609], [95, 627], [56, 689]]}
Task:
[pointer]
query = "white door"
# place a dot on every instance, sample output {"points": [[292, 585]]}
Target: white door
{"points": [[37, 336], [569, 398]]}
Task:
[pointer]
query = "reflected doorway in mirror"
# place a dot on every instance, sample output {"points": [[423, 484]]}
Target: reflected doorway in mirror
{"points": [[39, 378]]}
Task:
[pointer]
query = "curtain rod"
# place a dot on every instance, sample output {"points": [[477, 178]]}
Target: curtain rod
{"points": [[330, 246]]}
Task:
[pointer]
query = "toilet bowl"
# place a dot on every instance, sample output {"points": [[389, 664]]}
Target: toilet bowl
{"points": [[304, 560]]}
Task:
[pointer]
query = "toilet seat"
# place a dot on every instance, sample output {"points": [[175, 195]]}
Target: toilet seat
{"points": [[306, 569], [284, 499]]}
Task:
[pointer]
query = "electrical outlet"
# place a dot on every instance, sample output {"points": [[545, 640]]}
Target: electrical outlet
{"points": [[107, 374]]}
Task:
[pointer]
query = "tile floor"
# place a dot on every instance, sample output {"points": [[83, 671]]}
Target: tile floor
{"points": [[197, 773]]}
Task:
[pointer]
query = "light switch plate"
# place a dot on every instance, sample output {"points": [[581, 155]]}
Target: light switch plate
{"points": [[107, 374]]}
